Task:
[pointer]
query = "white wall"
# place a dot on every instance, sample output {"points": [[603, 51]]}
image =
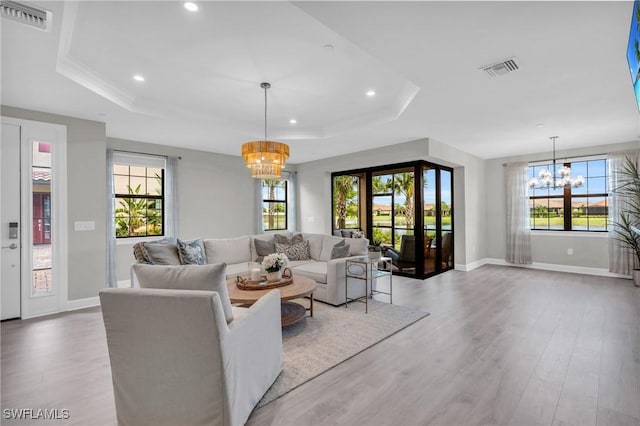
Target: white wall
{"points": [[590, 250], [215, 194], [314, 183]]}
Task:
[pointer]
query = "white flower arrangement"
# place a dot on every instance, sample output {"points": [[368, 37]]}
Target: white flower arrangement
{"points": [[274, 262]]}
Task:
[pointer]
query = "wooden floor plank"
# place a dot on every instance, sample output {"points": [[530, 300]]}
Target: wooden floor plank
{"points": [[502, 346]]}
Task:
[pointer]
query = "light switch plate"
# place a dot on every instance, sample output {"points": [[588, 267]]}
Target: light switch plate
{"points": [[84, 226]]}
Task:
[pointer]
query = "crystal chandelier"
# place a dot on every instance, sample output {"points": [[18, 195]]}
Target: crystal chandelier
{"points": [[560, 178], [265, 158]]}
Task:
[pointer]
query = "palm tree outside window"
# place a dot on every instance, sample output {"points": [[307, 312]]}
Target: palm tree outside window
{"points": [[274, 204]]}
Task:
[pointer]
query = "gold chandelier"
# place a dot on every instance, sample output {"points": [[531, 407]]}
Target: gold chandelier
{"points": [[265, 158]]}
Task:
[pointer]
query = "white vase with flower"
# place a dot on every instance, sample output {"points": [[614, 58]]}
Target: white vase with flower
{"points": [[273, 264]]}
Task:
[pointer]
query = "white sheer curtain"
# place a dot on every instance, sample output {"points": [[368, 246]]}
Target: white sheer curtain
{"points": [[257, 199], [111, 279], [517, 209], [172, 206], [621, 260]]}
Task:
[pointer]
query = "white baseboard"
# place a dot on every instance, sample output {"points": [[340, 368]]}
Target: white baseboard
{"points": [[470, 266], [89, 302], [552, 267]]}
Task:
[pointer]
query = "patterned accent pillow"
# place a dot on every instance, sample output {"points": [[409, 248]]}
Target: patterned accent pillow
{"points": [[139, 254], [264, 248], [192, 252], [298, 251], [283, 239], [340, 250]]}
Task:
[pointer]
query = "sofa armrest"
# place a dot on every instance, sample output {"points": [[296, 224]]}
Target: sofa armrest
{"points": [[134, 278], [336, 281], [252, 354]]}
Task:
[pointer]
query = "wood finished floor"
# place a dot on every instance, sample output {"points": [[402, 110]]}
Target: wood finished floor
{"points": [[502, 346]]}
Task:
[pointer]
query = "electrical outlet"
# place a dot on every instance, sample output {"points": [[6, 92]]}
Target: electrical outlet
{"points": [[570, 251]]}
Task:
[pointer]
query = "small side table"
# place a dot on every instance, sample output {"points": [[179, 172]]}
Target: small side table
{"points": [[367, 269]]}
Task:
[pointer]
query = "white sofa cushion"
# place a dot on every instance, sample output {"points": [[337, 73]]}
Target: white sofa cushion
{"points": [[187, 277], [317, 271], [295, 263], [228, 250], [328, 242], [358, 246], [315, 244]]}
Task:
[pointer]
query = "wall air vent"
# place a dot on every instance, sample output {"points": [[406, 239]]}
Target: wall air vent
{"points": [[26, 14], [502, 68]]}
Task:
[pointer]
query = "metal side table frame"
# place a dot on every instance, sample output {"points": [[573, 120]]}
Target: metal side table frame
{"points": [[367, 269]]}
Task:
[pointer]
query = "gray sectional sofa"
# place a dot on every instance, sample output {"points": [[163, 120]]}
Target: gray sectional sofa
{"points": [[240, 256]]}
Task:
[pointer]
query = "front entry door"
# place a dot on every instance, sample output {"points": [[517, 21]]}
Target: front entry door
{"points": [[10, 216], [33, 218]]}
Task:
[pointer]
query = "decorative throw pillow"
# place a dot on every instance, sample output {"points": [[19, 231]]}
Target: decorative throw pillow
{"points": [[283, 239], [299, 251], [347, 233], [187, 277], [340, 250], [162, 252], [192, 252], [264, 248], [139, 254]]}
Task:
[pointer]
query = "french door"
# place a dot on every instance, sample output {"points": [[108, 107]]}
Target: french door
{"points": [[403, 208]]}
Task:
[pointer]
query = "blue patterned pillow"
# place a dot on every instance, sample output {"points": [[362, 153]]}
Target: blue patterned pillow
{"points": [[191, 252]]}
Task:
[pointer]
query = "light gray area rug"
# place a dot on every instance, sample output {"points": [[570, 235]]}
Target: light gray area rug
{"points": [[334, 334]]}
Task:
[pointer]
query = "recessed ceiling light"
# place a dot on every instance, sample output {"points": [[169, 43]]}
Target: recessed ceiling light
{"points": [[293, 121], [138, 77], [371, 93], [190, 6]]}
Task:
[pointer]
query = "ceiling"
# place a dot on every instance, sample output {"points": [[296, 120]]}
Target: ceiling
{"points": [[203, 72]]}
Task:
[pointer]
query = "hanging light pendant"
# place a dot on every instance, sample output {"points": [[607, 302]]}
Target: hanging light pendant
{"points": [[265, 158], [547, 178]]}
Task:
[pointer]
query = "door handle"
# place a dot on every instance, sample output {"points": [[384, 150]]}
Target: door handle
{"points": [[11, 246]]}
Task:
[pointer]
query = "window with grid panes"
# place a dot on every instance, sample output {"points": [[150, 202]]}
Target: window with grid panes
{"points": [[138, 195], [584, 208], [274, 204]]}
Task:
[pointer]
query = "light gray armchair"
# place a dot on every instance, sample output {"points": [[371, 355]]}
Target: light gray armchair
{"points": [[175, 360]]}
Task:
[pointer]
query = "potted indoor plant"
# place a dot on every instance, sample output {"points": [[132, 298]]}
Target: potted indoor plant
{"points": [[627, 228], [273, 264]]}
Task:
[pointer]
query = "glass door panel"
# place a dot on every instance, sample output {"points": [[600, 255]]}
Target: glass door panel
{"points": [[347, 193], [429, 218], [41, 179], [446, 203]]}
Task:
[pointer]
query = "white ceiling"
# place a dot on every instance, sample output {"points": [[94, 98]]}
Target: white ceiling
{"points": [[203, 72]]}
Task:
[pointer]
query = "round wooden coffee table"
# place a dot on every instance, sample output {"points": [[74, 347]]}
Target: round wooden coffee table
{"points": [[291, 312]]}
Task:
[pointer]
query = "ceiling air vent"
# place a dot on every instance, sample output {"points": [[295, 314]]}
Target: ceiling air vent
{"points": [[28, 15], [502, 68]]}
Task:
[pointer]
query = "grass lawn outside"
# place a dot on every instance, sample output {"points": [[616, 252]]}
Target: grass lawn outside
{"points": [[582, 223]]}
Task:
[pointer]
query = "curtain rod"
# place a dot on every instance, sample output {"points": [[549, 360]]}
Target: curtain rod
{"points": [[144, 153]]}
